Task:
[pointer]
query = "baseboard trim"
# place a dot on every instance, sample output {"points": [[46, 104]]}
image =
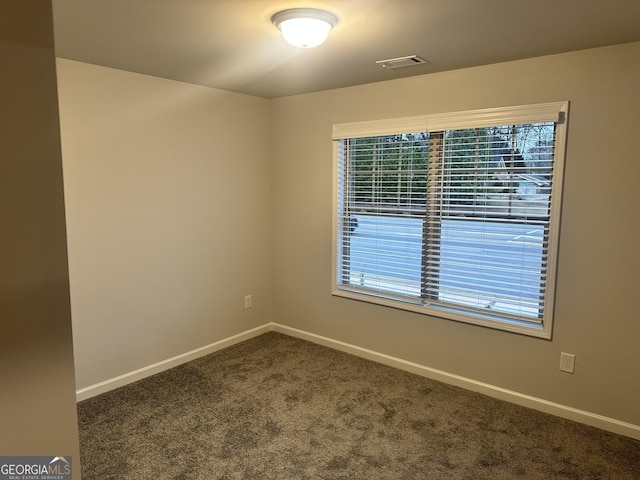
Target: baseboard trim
{"points": [[595, 420], [139, 374], [559, 410]]}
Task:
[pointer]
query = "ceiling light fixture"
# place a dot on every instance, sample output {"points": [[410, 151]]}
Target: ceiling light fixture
{"points": [[304, 27]]}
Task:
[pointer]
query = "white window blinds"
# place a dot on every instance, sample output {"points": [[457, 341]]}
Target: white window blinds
{"points": [[458, 222], [385, 184]]}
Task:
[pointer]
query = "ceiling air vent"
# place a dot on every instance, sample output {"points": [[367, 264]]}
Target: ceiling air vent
{"points": [[408, 61]]}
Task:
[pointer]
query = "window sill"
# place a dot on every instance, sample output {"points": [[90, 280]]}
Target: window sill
{"points": [[531, 329]]}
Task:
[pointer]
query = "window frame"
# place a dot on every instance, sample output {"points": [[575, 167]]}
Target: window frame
{"points": [[545, 112]]}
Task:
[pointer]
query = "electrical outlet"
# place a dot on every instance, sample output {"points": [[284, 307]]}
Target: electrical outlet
{"points": [[247, 301], [567, 362]]}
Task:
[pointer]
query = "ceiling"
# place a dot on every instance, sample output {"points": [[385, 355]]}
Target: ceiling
{"points": [[232, 45]]}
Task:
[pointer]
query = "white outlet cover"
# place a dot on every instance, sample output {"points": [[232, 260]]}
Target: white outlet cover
{"points": [[567, 362]]}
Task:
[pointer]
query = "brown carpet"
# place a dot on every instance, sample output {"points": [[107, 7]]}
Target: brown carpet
{"points": [[276, 407]]}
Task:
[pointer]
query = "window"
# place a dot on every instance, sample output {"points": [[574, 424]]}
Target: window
{"points": [[452, 215]]}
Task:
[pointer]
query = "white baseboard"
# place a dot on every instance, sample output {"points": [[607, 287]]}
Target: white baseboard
{"points": [[141, 373], [559, 410]]}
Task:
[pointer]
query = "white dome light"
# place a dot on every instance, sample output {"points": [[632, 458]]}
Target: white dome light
{"points": [[304, 27]]}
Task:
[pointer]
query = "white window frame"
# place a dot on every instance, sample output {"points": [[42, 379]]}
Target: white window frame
{"points": [[547, 112]]}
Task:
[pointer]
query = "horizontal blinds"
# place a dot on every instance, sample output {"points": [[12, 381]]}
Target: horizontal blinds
{"points": [[488, 242], [388, 174], [385, 181], [458, 218]]}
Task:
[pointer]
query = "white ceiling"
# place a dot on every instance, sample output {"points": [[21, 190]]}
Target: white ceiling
{"points": [[232, 45]]}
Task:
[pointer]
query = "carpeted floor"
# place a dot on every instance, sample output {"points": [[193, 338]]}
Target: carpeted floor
{"points": [[277, 407]]}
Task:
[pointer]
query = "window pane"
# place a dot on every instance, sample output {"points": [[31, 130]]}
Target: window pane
{"points": [[388, 174], [488, 252], [498, 171], [491, 266], [382, 216], [386, 254]]}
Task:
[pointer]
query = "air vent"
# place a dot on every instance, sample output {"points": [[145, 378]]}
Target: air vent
{"points": [[408, 61]]}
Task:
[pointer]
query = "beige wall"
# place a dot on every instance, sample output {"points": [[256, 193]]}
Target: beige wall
{"points": [[37, 399], [599, 263], [168, 216], [180, 198]]}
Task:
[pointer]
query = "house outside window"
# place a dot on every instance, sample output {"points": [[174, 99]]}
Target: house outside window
{"points": [[452, 215]]}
